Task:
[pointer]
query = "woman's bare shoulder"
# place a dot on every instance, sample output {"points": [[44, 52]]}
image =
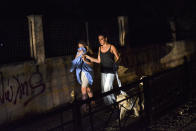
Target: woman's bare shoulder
{"points": [[112, 47]]}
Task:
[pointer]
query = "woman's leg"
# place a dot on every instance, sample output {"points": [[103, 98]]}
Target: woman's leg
{"points": [[107, 83], [103, 78], [84, 94], [84, 89], [84, 97], [84, 85], [90, 94]]}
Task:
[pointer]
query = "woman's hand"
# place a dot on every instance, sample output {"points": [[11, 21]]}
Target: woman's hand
{"points": [[80, 52], [83, 57], [86, 56]]}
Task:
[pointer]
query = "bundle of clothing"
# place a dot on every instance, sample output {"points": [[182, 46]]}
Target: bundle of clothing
{"points": [[80, 66]]}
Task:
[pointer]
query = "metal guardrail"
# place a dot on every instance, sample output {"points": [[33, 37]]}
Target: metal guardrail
{"points": [[78, 103]]}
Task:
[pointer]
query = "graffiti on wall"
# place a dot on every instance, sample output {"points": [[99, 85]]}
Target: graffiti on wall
{"points": [[14, 88]]}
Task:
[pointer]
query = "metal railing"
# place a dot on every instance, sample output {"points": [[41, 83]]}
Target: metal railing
{"points": [[78, 117]]}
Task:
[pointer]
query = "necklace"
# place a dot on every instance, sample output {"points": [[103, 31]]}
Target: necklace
{"points": [[104, 47]]}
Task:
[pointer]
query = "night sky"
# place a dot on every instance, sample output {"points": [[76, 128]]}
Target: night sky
{"points": [[91, 9]]}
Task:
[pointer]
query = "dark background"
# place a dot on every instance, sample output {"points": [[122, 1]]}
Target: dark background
{"points": [[64, 24], [94, 9]]}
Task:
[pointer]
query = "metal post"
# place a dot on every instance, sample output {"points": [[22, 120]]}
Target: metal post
{"points": [[119, 120], [186, 87], [62, 121], [77, 116], [147, 101], [91, 117]]}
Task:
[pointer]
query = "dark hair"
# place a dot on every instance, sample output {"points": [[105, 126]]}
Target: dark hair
{"points": [[88, 49], [104, 34], [82, 42]]}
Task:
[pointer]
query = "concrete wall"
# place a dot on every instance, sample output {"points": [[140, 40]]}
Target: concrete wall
{"points": [[150, 59], [27, 88]]}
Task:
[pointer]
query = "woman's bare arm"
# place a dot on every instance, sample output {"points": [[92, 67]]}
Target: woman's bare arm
{"points": [[115, 52], [87, 62], [96, 60]]}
